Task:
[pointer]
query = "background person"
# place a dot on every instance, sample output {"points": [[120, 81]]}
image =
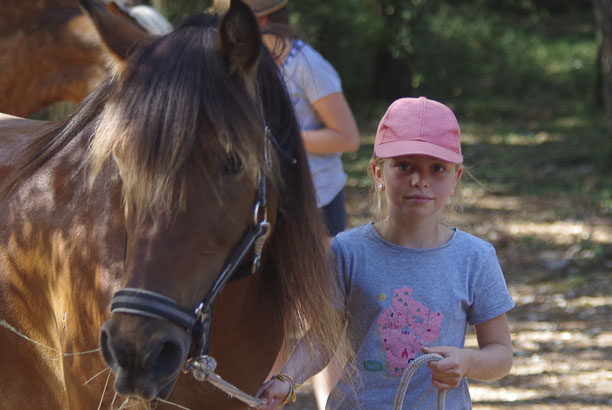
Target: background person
{"points": [[325, 118]]}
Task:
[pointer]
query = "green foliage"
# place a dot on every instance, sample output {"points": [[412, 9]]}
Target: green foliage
{"points": [[520, 75], [470, 52], [176, 10], [347, 33]]}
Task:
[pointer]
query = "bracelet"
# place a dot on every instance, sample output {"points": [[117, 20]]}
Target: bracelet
{"points": [[290, 398]]}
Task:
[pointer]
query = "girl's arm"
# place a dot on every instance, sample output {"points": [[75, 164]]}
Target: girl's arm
{"points": [[303, 363], [340, 132], [491, 361]]}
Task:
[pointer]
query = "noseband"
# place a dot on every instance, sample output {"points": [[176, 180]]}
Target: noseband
{"points": [[197, 321]]}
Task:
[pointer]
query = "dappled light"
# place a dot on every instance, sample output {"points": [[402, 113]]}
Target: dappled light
{"points": [[515, 139], [562, 232]]}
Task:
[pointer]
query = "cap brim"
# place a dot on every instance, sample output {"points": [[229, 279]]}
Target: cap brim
{"points": [[399, 148], [271, 9]]}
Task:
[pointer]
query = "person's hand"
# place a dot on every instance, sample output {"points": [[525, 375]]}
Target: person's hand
{"points": [[273, 393], [448, 372]]}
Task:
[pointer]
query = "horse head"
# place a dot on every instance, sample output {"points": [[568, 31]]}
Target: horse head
{"points": [[184, 124]]}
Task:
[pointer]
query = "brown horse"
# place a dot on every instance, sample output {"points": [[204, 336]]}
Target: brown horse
{"points": [[153, 184], [51, 52]]}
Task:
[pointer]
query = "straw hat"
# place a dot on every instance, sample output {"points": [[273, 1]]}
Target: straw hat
{"points": [[263, 7]]}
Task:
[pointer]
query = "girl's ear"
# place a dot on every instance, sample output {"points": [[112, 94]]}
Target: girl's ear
{"points": [[263, 20], [458, 176], [377, 173]]}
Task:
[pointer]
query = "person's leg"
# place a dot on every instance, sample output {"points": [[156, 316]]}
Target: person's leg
{"points": [[334, 214]]}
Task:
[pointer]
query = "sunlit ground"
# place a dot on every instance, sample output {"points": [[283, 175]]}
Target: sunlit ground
{"points": [[557, 365]]}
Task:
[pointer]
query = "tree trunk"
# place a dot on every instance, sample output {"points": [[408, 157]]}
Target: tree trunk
{"points": [[603, 15], [159, 5]]}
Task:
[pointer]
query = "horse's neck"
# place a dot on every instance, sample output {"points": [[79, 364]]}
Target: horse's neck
{"points": [[15, 135], [56, 196]]}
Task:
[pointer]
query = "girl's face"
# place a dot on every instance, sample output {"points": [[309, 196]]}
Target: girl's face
{"points": [[416, 186]]}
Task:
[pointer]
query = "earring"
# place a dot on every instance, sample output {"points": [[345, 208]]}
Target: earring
{"points": [[381, 186]]}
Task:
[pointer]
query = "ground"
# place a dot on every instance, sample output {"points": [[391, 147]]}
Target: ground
{"points": [[558, 267]]}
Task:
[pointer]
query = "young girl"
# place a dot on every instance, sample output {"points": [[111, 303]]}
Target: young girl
{"points": [[410, 283]]}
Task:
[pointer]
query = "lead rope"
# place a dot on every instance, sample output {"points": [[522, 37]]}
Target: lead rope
{"points": [[414, 365], [203, 369]]}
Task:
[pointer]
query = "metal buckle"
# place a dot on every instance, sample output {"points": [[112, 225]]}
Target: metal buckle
{"points": [[259, 244], [201, 367]]}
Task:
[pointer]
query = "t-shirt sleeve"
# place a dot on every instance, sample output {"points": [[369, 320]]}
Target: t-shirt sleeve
{"points": [[341, 264], [491, 297], [316, 76]]}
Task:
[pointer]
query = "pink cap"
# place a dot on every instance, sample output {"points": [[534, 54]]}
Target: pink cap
{"points": [[419, 126]]}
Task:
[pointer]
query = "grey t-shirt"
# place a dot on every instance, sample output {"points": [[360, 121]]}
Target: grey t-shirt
{"points": [[308, 78], [402, 299]]}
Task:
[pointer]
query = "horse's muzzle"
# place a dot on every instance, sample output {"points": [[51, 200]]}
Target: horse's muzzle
{"points": [[146, 355]]}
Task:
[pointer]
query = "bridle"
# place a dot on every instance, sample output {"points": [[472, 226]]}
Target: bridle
{"points": [[197, 320]]}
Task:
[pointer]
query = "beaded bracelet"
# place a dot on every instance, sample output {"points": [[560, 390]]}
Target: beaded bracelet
{"points": [[290, 398]]}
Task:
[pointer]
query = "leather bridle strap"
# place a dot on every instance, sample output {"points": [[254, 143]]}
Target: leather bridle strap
{"points": [[151, 304], [197, 321], [146, 303]]}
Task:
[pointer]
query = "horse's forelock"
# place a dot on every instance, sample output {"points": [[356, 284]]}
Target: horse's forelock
{"points": [[173, 109]]}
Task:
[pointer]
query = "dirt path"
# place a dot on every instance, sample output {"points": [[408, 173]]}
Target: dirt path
{"points": [[559, 274]]}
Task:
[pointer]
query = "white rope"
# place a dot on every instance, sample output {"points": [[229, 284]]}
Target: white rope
{"points": [[203, 370], [6, 325], [403, 386], [233, 391]]}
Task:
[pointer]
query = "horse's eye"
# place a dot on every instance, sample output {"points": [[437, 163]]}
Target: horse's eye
{"points": [[231, 165]]}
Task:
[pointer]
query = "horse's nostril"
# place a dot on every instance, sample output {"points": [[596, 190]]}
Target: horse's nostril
{"points": [[112, 356], [168, 360], [145, 357], [106, 353]]}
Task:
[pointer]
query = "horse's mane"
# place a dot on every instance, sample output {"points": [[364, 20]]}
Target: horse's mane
{"points": [[153, 116]]}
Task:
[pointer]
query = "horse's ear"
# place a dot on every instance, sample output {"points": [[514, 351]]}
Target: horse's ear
{"points": [[118, 34], [239, 37], [115, 9]]}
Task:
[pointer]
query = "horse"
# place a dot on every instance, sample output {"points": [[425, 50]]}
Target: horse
{"points": [[51, 52], [171, 216]]}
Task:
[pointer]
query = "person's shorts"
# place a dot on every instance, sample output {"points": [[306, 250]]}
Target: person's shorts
{"points": [[334, 214]]}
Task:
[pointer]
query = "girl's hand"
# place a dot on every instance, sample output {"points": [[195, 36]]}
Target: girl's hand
{"points": [[273, 392], [448, 372]]}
